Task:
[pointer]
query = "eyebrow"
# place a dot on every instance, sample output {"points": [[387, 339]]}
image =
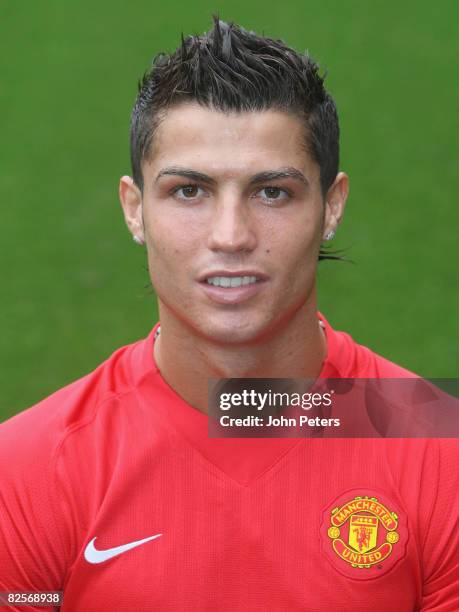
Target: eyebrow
{"points": [[260, 177]]}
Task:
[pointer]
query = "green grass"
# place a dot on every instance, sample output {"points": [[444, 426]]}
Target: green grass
{"points": [[74, 283]]}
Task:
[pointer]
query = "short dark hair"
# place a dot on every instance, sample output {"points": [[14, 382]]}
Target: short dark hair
{"points": [[231, 69]]}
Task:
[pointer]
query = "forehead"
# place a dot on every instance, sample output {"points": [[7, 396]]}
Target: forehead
{"points": [[230, 143]]}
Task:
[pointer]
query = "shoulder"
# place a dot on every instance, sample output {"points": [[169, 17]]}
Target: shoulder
{"points": [[370, 364], [42, 426], [348, 359], [44, 489]]}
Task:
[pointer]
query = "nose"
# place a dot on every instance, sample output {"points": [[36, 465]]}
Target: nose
{"points": [[231, 226]]}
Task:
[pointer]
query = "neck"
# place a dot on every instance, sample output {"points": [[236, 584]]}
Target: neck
{"points": [[186, 360]]}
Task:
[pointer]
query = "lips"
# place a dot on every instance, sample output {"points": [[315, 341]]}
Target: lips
{"points": [[260, 276], [232, 287], [231, 281]]}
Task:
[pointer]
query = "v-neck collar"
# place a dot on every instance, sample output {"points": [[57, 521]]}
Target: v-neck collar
{"points": [[244, 460]]}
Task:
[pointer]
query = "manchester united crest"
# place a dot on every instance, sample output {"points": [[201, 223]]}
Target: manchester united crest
{"points": [[363, 535]]}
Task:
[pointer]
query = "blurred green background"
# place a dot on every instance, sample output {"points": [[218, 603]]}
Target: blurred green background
{"points": [[75, 286]]}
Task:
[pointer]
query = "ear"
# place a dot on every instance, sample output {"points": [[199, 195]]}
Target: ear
{"points": [[131, 202], [335, 203]]}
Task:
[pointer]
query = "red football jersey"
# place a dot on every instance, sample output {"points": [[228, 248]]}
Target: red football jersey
{"points": [[112, 491]]}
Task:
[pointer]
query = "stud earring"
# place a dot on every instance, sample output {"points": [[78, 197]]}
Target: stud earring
{"points": [[138, 240], [329, 235]]}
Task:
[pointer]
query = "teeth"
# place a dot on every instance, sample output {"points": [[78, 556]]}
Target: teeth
{"points": [[231, 281]]}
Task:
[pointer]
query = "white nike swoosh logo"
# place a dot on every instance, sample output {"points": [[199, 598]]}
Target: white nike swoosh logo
{"points": [[92, 555]]}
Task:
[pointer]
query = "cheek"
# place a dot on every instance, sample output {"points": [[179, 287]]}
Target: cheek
{"points": [[296, 247], [170, 247], [296, 255]]}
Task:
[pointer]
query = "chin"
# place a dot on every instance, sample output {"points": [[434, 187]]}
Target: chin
{"points": [[233, 332]]}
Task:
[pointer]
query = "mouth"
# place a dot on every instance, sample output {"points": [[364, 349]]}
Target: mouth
{"points": [[231, 281], [232, 287]]}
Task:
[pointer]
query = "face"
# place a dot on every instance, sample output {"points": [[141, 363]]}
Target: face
{"points": [[233, 216]]}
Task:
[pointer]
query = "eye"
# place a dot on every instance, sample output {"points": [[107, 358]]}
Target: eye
{"points": [[273, 194], [188, 192]]}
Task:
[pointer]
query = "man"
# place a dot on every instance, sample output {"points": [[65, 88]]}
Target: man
{"points": [[112, 491]]}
